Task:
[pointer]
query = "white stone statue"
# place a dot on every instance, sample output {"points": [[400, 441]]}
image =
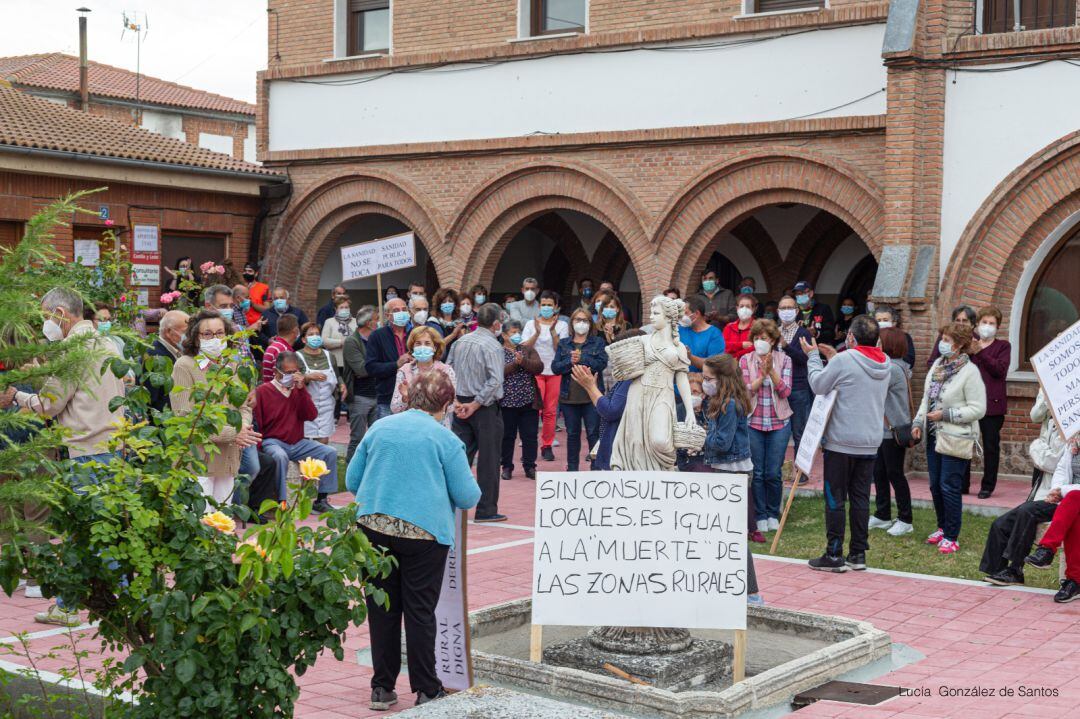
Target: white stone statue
{"points": [[645, 439]]}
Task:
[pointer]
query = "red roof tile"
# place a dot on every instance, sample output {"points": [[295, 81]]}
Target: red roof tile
{"points": [[27, 121], [56, 71]]}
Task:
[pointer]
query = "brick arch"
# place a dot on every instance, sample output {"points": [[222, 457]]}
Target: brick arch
{"points": [[311, 228], [721, 198], [1036, 199], [610, 260], [558, 231], [815, 244], [759, 243]]}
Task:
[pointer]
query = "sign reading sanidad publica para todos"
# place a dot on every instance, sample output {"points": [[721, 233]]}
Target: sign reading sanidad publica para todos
{"points": [[378, 256], [814, 431], [1058, 368], [640, 549]]}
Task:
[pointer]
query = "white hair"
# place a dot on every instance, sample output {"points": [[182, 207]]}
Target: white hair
{"points": [[64, 298]]}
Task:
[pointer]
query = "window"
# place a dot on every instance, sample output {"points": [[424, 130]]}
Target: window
{"points": [[558, 16], [784, 5], [368, 26], [1054, 298], [1034, 14]]}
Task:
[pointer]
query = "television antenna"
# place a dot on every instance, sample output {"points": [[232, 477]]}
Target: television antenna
{"points": [[137, 23]]}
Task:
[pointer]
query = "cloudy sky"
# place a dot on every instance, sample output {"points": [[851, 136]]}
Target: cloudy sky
{"points": [[215, 45]]}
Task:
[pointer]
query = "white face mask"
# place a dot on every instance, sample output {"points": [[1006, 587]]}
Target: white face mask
{"points": [[685, 321], [762, 347], [787, 314], [286, 381], [884, 324], [530, 295], [212, 347], [581, 328], [420, 317], [466, 309], [744, 313], [696, 401], [945, 348], [709, 387], [986, 331], [52, 330]]}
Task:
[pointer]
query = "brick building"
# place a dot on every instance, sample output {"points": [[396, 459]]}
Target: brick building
{"points": [[210, 121], [204, 204], [921, 155]]}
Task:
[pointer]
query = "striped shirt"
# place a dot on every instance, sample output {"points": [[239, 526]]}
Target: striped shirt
{"points": [[477, 359], [276, 347]]}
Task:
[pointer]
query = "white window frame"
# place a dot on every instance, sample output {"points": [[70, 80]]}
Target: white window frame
{"points": [[341, 34], [524, 23], [748, 10]]}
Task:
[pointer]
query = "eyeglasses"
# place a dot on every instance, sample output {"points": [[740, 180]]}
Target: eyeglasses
{"points": [[220, 334]]}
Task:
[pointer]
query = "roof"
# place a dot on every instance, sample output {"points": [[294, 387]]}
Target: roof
{"points": [[56, 71], [31, 122]]}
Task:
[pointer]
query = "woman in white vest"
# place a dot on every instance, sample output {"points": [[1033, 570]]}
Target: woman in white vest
{"points": [[322, 380]]}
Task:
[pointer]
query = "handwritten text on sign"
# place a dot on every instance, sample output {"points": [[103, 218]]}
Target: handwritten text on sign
{"points": [[640, 549], [378, 256], [452, 661], [815, 430], [1058, 367]]}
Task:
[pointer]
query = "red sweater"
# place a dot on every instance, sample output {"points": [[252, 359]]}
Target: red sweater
{"points": [[281, 417], [734, 338]]}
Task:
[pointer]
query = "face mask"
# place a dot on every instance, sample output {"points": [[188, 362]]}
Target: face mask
{"points": [[708, 386], [52, 330], [480, 299], [245, 305], [762, 347], [447, 308], [286, 380], [787, 315], [685, 321], [530, 295], [515, 339], [744, 313], [770, 316], [847, 310], [281, 305], [249, 276], [986, 331], [598, 306], [313, 341], [884, 324], [581, 328], [391, 296], [547, 312], [610, 313], [344, 315], [587, 292], [696, 401], [420, 317], [401, 318], [747, 290], [945, 348], [418, 294], [709, 285], [803, 300], [423, 354], [212, 347], [466, 309], [104, 327], [870, 307]]}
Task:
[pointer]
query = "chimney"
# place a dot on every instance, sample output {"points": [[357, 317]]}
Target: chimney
{"points": [[84, 80]]}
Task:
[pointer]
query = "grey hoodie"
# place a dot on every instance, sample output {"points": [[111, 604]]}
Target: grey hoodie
{"points": [[897, 403], [861, 385]]}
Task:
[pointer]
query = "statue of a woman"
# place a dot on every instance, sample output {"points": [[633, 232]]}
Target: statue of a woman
{"points": [[645, 439]]}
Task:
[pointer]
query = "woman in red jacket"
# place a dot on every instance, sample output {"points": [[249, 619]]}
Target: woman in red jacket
{"points": [[737, 334]]}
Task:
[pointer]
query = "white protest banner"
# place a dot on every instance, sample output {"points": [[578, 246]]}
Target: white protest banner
{"points": [[378, 256], [1058, 368], [88, 252], [815, 430], [453, 659], [640, 549]]}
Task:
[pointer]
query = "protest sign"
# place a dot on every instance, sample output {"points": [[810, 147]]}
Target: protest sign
{"points": [[145, 256], [453, 660], [1058, 367], [640, 549], [378, 256], [815, 430]]}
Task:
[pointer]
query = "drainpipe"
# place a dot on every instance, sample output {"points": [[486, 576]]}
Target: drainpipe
{"points": [[84, 79], [1017, 27]]}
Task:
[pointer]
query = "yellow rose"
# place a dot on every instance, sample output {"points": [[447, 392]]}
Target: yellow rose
{"points": [[219, 521], [313, 468]]}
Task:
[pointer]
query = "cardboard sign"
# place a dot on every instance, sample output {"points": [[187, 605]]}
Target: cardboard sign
{"points": [[453, 659], [378, 257], [88, 252], [1058, 368], [815, 430], [640, 549]]}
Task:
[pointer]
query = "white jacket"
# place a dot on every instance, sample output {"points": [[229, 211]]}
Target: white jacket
{"points": [[963, 399], [334, 341], [1046, 449]]}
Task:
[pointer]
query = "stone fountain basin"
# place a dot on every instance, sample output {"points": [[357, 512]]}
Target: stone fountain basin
{"points": [[788, 652]]}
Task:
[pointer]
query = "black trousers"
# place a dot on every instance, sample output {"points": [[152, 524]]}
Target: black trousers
{"points": [[1012, 534], [847, 482], [990, 427], [482, 434], [413, 589], [889, 472], [264, 484], [521, 422]]}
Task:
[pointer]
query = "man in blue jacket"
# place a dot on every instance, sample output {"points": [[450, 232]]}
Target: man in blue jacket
{"points": [[386, 353], [279, 307]]}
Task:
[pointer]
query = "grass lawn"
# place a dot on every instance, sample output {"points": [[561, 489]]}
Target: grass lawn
{"points": [[804, 538]]}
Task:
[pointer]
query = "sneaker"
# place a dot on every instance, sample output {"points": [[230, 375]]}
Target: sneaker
{"points": [[382, 699], [507, 474], [876, 523], [547, 455], [984, 494], [763, 525], [756, 536], [1069, 591], [828, 563], [32, 591], [856, 561], [1007, 577], [56, 615], [899, 529], [422, 698], [322, 506], [774, 524], [936, 537], [948, 546], [1041, 558], [490, 518], [555, 442], [755, 599], [530, 473]]}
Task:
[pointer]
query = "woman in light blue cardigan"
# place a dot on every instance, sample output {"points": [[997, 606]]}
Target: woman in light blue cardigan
{"points": [[409, 474]]}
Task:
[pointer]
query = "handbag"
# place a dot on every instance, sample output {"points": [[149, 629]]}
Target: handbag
{"points": [[902, 433], [961, 446]]}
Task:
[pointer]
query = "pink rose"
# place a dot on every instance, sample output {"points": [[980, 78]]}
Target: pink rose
{"points": [[109, 223], [218, 270], [206, 266]]}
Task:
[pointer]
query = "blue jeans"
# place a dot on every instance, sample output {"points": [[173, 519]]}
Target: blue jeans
{"points": [[767, 450], [283, 453], [101, 458], [249, 465], [800, 400], [575, 415], [382, 410], [946, 487]]}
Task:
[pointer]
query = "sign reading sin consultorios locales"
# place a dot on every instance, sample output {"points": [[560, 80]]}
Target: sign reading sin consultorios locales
{"points": [[1058, 367], [378, 257], [640, 549]]}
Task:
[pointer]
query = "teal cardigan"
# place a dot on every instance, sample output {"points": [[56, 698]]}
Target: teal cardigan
{"points": [[411, 467]]}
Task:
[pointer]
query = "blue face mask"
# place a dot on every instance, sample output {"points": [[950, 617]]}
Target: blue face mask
{"points": [[598, 305], [245, 305], [313, 341], [447, 308], [515, 339], [104, 327], [423, 354], [747, 290], [847, 309], [587, 292], [610, 313], [547, 312], [401, 318], [479, 299], [803, 300], [709, 285], [281, 305]]}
